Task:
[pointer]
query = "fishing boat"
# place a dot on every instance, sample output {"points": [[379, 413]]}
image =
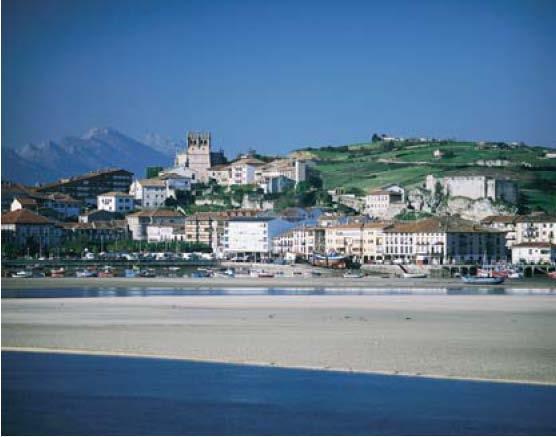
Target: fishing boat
{"points": [[22, 274], [333, 260], [57, 273]]}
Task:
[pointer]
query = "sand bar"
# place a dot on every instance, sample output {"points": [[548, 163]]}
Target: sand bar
{"points": [[494, 337]]}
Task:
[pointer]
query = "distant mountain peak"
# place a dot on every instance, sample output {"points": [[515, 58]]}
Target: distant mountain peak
{"points": [[99, 131]]}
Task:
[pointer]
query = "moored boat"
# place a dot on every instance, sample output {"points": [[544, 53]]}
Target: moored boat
{"points": [[407, 275], [482, 280], [57, 273], [354, 275], [85, 274], [23, 274]]}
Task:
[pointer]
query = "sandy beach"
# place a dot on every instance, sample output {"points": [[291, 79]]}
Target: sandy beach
{"points": [[495, 337]]}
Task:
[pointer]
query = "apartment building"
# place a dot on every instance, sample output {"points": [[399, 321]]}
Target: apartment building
{"points": [[60, 205], [88, 186], [242, 171], [300, 242], [443, 240], [252, 236], [503, 223], [115, 201], [534, 253], [539, 228], [345, 239]]}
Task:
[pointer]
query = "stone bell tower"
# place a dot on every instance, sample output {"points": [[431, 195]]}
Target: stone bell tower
{"points": [[198, 154]]}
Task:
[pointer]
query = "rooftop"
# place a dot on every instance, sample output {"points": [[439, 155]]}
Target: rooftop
{"points": [[439, 224], [156, 213], [24, 217], [116, 193], [536, 245]]}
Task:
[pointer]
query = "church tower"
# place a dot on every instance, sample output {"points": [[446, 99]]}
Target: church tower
{"points": [[199, 154]]}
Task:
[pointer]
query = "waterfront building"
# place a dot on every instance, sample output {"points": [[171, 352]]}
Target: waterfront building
{"points": [[299, 242], [27, 230], [536, 228], [345, 239], [534, 253], [474, 187], [101, 231], [504, 223], [114, 201], [138, 221], [165, 233], [88, 186], [373, 241], [443, 240], [252, 236]]}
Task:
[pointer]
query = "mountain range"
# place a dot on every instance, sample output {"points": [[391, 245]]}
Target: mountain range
{"points": [[97, 148]]}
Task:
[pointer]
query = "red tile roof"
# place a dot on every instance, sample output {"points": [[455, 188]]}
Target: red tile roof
{"points": [[24, 217]]}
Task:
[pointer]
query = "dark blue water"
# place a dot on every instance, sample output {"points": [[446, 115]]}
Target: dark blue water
{"points": [[170, 291], [71, 394]]}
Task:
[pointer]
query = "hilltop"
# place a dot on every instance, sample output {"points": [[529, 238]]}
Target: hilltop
{"points": [[366, 166]]}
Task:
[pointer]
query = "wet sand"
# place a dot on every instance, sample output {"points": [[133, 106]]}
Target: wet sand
{"points": [[494, 337], [293, 282]]}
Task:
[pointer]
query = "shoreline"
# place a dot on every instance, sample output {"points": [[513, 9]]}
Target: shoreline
{"points": [[332, 283], [84, 352]]}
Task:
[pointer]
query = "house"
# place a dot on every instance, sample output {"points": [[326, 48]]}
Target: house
{"points": [[138, 221], [386, 202], [149, 193], [276, 184], [539, 228], [11, 190], [292, 169], [252, 236], [221, 174], [28, 230], [88, 186], [153, 192], [115, 201], [60, 205], [533, 253]]}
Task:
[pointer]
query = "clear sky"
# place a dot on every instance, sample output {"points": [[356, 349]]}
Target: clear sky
{"points": [[274, 75]]}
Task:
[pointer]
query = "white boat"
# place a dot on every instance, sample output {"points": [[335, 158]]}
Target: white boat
{"points": [[85, 274], [515, 275], [414, 275], [482, 280], [23, 274]]}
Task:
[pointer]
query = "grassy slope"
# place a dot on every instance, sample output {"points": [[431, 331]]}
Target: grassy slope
{"points": [[359, 167]]}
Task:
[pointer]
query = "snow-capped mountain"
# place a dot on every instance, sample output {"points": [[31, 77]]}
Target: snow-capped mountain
{"points": [[97, 148]]}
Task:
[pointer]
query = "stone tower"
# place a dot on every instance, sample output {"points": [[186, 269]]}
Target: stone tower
{"points": [[198, 154]]}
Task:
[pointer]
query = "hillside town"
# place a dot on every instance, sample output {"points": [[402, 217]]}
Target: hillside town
{"points": [[239, 210]]}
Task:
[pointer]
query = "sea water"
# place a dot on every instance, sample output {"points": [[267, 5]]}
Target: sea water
{"points": [[61, 394]]}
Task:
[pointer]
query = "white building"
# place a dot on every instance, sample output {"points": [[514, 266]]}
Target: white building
{"points": [[293, 169], [536, 228], [115, 201], [503, 223], [443, 240], [153, 192], [252, 236], [242, 171], [533, 253], [386, 202], [474, 187], [165, 232], [138, 222]]}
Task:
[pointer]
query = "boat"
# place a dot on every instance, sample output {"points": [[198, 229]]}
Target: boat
{"points": [[107, 272], [515, 275], [85, 274], [148, 273], [351, 274], [23, 274], [57, 273], [265, 275], [333, 260], [407, 275], [482, 280]]}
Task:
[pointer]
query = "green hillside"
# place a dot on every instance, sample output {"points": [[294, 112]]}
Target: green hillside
{"points": [[368, 166]]}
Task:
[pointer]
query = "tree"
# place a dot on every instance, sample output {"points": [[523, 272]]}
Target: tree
{"points": [[376, 138]]}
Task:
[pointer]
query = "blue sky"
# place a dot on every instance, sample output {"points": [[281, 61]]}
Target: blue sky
{"points": [[274, 75]]}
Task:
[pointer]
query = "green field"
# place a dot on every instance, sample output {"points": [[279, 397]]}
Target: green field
{"points": [[359, 165]]}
